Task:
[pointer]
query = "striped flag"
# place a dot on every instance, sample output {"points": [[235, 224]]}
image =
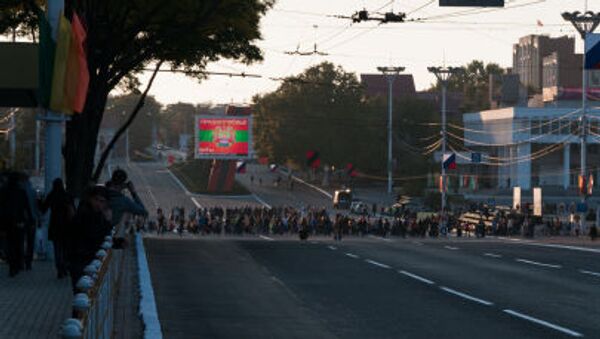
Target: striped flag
{"points": [[592, 51], [312, 159], [449, 161], [240, 167]]}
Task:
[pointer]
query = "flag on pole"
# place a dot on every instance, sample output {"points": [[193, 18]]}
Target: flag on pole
{"points": [[312, 159], [592, 51], [351, 170], [240, 167], [449, 161], [63, 69], [77, 76]]}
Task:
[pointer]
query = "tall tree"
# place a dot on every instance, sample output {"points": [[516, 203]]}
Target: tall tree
{"points": [[473, 82], [124, 37]]}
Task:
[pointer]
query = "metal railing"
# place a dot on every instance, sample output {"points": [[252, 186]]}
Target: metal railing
{"points": [[94, 305]]}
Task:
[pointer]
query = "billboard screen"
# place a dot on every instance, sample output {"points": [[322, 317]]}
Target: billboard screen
{"points": [[223, 137], [471, 3]]}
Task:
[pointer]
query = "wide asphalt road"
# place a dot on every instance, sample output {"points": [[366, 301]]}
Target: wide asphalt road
{"points": [[373, 288]]}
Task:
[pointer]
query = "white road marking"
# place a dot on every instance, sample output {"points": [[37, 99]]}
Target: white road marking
{"points": [[380, 238], [314, 242], [332, 248], [466, 296], [352, 255], [265, 237], [260, 201], [179, 183], [418, 243], [452, 248], [493, 255], [417, 277], [543, 323], [596, 274], [530, 262], [277, 280], [565, 247], [196, 203], [318, 189], [377, 264]]}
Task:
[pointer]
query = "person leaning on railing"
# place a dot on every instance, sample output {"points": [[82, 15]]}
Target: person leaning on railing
{"points": [[121, 204], [88, 229]]}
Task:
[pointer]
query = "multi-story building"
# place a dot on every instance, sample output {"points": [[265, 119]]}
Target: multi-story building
{"points": [[529, 54]]}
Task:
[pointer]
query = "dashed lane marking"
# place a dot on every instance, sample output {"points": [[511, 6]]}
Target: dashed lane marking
{"points": [[266, 238], [543, 323], [466, 296], [372, 262], [452, 248], [351, 255], [416, 277], [531, 262], [596, 274], [333, 248], [493, 255]]}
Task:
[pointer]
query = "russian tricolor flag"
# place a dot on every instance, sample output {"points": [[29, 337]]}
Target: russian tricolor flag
{"points": [[449, 161], [592, 51]]}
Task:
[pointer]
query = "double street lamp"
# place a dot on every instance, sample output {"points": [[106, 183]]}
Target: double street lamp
{"points": [[390, 73], [443, 75]]}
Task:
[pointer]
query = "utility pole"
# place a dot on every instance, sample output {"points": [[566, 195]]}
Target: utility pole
{"points": [[584, 24], [443, 75], [54, 121], [390, 73]]}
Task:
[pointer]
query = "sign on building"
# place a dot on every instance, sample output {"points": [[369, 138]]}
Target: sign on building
{"points": [[471, 3], [537, 201], [223, 137]]}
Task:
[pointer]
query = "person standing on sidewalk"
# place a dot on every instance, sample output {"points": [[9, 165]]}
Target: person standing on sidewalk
{"points": [[62, 211], [35, 216], [14, 216]]}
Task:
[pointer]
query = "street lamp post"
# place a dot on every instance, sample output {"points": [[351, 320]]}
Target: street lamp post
{"points": [[584, 23], [390, 73], [443, 75]]}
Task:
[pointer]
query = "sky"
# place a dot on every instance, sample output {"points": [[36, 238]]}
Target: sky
{"points": [[450, 36]]}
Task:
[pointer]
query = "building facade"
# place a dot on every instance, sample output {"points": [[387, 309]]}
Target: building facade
{"points": [[529, 54], [530, 147]]}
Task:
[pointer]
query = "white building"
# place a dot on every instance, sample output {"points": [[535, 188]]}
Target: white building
{"points": [[528, 147]]}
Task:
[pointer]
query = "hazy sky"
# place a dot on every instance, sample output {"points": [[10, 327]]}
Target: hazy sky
{"points": [[453, 35]]}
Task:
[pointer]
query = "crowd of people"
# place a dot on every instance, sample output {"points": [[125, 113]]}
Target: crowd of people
{"points": [[76, 227]]}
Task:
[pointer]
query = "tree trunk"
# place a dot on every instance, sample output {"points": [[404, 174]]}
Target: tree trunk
{"points": [[81, 138]]}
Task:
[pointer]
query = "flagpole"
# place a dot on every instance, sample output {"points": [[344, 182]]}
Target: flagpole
{"points": [[54, 124]]}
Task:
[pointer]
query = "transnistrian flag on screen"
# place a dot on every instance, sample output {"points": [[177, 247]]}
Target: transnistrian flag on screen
{"points": [[450, 161], [592, 51], [223, 136]]}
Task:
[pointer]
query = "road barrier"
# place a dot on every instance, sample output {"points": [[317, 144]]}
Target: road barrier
{"points": [[95, 305]]}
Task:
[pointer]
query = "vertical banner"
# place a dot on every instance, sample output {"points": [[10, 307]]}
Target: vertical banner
{"points": [[516, 198], [537, 201]]}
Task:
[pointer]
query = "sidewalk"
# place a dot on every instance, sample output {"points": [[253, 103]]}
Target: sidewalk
{"points": [[34, 303]]}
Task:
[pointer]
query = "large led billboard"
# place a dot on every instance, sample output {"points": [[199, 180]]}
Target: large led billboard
{"points": [[223, 137]]}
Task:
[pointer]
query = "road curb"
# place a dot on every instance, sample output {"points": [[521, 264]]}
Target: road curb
{"points": [[148, 311]]}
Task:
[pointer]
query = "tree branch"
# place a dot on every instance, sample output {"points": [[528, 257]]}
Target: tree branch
{"points": [[125, 126]]}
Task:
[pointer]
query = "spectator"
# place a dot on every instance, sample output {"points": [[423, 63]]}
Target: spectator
{"points": [[119, 203], [87, 231], [35, 216], [15, 215], [62, 209]]}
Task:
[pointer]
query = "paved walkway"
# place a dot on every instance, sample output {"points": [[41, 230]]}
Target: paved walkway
{"points": [[34, 303]]}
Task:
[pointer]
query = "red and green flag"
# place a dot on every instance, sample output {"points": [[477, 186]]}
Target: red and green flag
{"points": [[223, 136], [64, 76]]}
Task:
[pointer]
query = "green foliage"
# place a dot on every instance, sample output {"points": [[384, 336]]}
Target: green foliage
{"points": [[118, 109], [473, 82], [325, 109]]}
